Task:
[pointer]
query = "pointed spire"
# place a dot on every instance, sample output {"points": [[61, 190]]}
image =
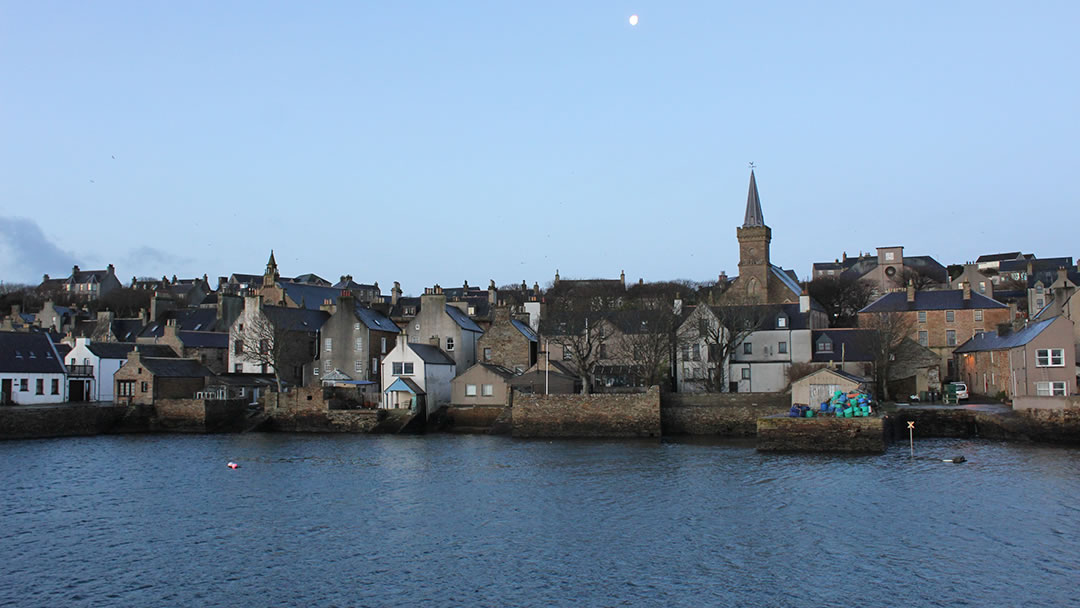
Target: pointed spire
{"points": [[753, 205], [273, 264]]}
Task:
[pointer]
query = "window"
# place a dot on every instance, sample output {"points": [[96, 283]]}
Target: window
{"points": [[24, 385], [686, 352], [1050, 357], [470, 390], [315, 370], [143, 386], [55, 387], [922, 316], [238, 347], [374, 365], [950, 337], [358, 366], [472, 311], [238, 368], [1038, 288], [328, 344], [356, 327], [978, 315], [781, 321], [408, 368], [824, 346], [487, 354], [924, 338], [449, 345], [1039, 303], [746, 373], [950, 316], [358, 345], [697, 352], [832, 272], [125, 388], [889, 256], [982, 286], [488, 390], [781, 348], [327, 365], [747, 348], [1050, 389], [384, 346], [39, 386], [566, 354]]}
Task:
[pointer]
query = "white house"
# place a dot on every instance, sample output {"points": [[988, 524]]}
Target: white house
{"points": [[91, 366], [31, 371], [425, 367]]}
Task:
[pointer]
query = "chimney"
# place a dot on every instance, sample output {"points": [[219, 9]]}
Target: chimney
{"points": [[536, 288], [169, 331], [804, 302], [144, 318], [465, 286], [966, 286], [622, 277], [395, 294], [46, 278], [75, 270], [1063, 274], [502, 314], [911, 292], [556, 276], [493, 293], [1004, 329], [845, 256]]}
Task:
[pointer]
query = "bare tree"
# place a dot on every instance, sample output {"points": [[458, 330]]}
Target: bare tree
{"points": [[647, 340], [273, 346], [577, 325], [842, 297], [888, 330], [723, 329], [921, 280]]}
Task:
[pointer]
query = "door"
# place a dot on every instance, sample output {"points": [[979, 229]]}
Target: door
{"points": [[820, 393], [5, 391]]}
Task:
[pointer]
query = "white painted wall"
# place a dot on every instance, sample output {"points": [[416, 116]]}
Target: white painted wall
{"points": [[30, 396]]}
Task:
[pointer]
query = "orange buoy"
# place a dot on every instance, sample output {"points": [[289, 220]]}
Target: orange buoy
{"points": [[233, 465]]}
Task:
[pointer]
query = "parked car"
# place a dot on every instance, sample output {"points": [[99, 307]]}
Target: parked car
{"points": [[961, 391]]}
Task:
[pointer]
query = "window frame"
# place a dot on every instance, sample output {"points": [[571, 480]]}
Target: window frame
{"points": [[1050, 357], [470, 390]]}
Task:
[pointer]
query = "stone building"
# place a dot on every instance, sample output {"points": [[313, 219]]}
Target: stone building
{"points": [[510, 342], [84, 285], [446, 326], [1037, 360], [354, 339], [144, 380], [482, 384], [759, 281], [261, 329], [91, 366], [940, 320]]}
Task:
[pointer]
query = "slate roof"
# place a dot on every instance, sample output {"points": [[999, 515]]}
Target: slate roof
{"points": [[525, 330], [175, 368], [991, 341], [498, 370], [849, 344], [296, 319], [62, 350], [795, 319], [375, 320], [412, 302], [999, 257], [1037, 265], [126, 330], [944, 299], [309, 296], [187, 319], [753, 217], [204, 339], [88, 276], [462, 319], [28, 352], [311, 279], [839, 372], [432, 355], [785, 277], [120, 350]]}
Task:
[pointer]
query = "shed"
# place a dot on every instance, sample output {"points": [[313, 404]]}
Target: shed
{"points": [[822, 384]]}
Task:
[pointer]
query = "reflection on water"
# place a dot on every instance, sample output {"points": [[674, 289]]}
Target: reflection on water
{"points": [[333, 520]]}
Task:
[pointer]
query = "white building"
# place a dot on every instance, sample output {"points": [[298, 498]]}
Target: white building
{"points": [[31, 371], [425, 366], [91, 366]]}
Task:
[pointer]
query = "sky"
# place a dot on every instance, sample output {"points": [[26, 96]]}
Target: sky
{"points": [[430, 142]]}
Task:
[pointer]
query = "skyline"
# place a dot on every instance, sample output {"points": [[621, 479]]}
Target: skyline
{"points": [[429, 144]]}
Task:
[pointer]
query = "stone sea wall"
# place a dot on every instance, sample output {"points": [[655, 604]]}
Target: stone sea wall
{"points": [[719, 414], [822, 434], [597, 415]]}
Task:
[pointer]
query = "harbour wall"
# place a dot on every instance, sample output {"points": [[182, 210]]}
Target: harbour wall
{"points": [[595, 415]]}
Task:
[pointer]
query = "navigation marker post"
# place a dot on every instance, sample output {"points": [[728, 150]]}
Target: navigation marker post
{"points": [[911, 436]]}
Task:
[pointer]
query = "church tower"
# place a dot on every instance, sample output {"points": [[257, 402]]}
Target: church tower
{"points": [[270, 275], [754, 238]]}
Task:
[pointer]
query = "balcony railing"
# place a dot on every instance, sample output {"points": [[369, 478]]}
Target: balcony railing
{"points": [[81, 371]]}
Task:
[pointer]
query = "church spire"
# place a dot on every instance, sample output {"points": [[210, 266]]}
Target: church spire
{"points": [[754, 216], [271, 271]]}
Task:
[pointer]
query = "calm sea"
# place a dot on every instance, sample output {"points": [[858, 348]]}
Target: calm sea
{"points": [[343, 520]]}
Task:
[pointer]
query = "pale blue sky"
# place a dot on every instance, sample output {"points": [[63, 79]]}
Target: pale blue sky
{"points": [[437, 142]]}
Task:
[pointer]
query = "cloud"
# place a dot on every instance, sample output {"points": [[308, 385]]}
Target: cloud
{"points": [[26, 253], [151, 262]]}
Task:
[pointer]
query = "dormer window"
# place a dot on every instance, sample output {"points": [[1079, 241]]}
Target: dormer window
{"points": [[18, 355], [824, 345], [781, 321]]}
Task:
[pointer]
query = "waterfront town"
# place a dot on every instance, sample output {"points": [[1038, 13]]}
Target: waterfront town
{"points": [[999, 329]]}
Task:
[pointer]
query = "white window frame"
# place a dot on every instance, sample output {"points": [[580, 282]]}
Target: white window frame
{"points": [[1050, 357], [1051, 389], [978, 315], [924, 338], [487, 390], [781, 348], [922, 316], [950, 316], [449, 344], [948, 341], [470, 390], [358, 345], [328, 344], [358, 366]]}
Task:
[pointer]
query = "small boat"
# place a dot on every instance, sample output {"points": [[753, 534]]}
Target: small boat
{"points": [[233, 465], [955, 460]]}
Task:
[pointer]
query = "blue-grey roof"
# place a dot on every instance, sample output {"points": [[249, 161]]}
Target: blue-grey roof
{"points": [[786, 279], [186, 319], [945, 299], [296, 319], [849, 344], [991, 341], [28, 352], [402, 383], [175, 368], [375, 320], [120, 350], [525, 330], [999, 257], [204, 339], [462, 319], [430, 354], [309, 296]]}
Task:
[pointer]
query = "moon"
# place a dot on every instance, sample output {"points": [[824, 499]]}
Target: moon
{"points": [[633, 19]]}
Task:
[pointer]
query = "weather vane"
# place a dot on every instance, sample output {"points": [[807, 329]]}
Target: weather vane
{"points": [[751, 165]]}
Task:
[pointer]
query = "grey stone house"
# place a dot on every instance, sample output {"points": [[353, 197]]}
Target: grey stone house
{"points": [[446, 326], [354, 339]]}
